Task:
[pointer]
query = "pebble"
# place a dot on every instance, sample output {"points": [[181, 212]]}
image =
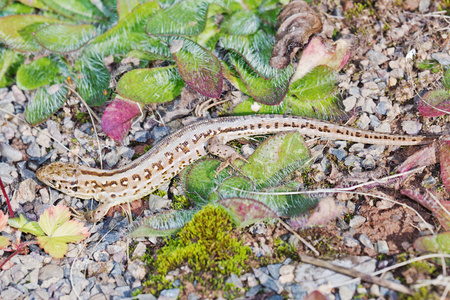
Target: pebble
{"points": [[382, 247], [10, 153], [397, 73], [442, 57], [34, 150], [369, 163], [353, 161], [369, 106], [43, 139], [274, 270], [158, 132], [253, 291], [339, 153], [349, 103], [350, 242], [411, 127], [112, 158], [357, 221], [142, 136], [286, 274], [377, 57], [363, 122], [364, 239], [170, 293], [234, 279], [354, 91], [374, 121]]}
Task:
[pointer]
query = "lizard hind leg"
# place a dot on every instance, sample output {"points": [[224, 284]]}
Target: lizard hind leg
{"points": [[227, 153], [93, 216]]}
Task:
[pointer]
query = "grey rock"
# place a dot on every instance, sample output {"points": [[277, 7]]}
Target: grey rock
{"points": [[142, 136], [350, 242], [349, 103], [430, 180], [377, 57], [68, 123], [339, 153], [124, 291], [26, 139], [382, 108], [24, 172], [11, 293], [137, 269], [397, 73], [34, 150], [51, 271], [342, 225], [234, 279], [364, 239], [424, 5], [411, 127], [193, 296], [140, 250], [358, 147], [357, 221], [369, 106], [369, 163], [298, 292], [253, 291], [354, 91], [382, 247], [274, 270], [353, 161], [8, 132], [171, 293], [112, 158], [43, 139], [11, 154], [374, 121], [267, 281], [100, 256], [363, 121], [442, 57], [158, 132], [275, 297], [346, 292]]}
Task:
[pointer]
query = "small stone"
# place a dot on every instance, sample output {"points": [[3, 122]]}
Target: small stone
{"points": [[377, 57], [68, 123], [349, 103], [357, 221], [274, 270], [384, 127], [339, 153], [51, 272], [101, 256], [382, 247], [253, 291], [11, 293], [411, 127], [424, 5], [112, 158], [346, 293], [354, 91], [170, 293], [140, 250], [364, 239], [26, 192], [193, 296], [251, 280], [43, 139], [142, 136], [397, 73], [18, 94], [350, 242], [10, 153], [384, 204], [234, 279], [355, 148], [382, 108], [374, 121], [137, 269], [33, 150], [369, 106], [342, 225], [442, 58], [158, 132], [369, 163], [392, 82], [363, 122], [353, 161], [287, 269]]}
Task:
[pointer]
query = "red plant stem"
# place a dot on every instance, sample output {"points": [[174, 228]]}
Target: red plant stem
{"points": [[19, 249], [11, 213]]}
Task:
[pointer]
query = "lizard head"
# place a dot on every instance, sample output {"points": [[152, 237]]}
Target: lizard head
{"points": [[60, 176]]}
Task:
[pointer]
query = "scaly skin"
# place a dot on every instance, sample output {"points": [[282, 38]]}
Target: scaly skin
{"points": [[161, 163]]}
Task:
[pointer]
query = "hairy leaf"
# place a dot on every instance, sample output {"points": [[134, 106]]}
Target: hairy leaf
{"points": [[318, 84], [54, 37], [155, 85], [185, 18], [245, 212], [46, 102], [6, 60], [434, 103], [17, 31], [38, 73], [34, 3], [128, 34], [249, 106], [266, 91], [118, 118], [199, 68], [93, 80], [434, 243], [80, 10], [444, 158], [331, 107], [277, 157], [16, 9], [59, 231], [162, 224], [243, 22], [124, 7]]}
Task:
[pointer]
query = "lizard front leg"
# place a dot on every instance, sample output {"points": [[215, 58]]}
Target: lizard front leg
{"points": [[228, 154]]}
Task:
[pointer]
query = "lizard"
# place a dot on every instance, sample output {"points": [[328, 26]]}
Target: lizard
{"points": [[181, 148]]}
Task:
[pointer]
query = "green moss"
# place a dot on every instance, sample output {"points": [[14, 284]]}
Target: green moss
{"points": [[207, 245], [82, 117], [180, 202], [422, 293], [284, 250], [159, 193]]}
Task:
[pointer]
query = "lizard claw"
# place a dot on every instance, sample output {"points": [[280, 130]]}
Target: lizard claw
{"points": [[79, 215], [230, 162]]}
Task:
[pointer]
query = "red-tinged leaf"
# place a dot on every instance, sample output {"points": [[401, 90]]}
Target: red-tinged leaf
{"points": [[199, 68], [316, 53], [118, 118], [444, 157], [327, 211], [421, 158], [316, 295], [434, 243], [59, 231], [247, 211], [431, 203], [3, 220], [434, 103]]}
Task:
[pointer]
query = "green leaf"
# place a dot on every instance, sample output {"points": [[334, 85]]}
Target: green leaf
{"points": [[199, 68], [245, 212], [54, 37], [434, 243], [253, 4], [16, 9], [243, 22], [318, 84], [4, 3], [233, 187], [331, 107], [266, 91], [45, 103], [93, 80], [446, 79], [156, 85], [256, 49], [277, 157], [162, 224], [80, 10], [124, 7], [249, 107], [38, 73], [185, 18], [128, 34], [6, 60], [25, 225], [17, 30], [34, 3]]}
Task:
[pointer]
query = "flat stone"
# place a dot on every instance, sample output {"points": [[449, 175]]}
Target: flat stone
{"points": [[51, 271], [382, 247], [346, 292], [357, 221], [43, 139], [142, 136], [11, 293], [170, 293], [286, 278], [353, 161], [18, 94], [369, 106], [350, 242], [253, 291], [424, 5], [374, 121], [34, 150], [377, 57], [140, 250], [274, 270], [10, 153], [442, 58], [234, 279], [354, 91], [363, 122], [411, 127], [397, 73], [384, 127], [349, 103], [112, 158], [158, 132], [369, 163], [339, 153], [137, 269], [364, 239]]}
